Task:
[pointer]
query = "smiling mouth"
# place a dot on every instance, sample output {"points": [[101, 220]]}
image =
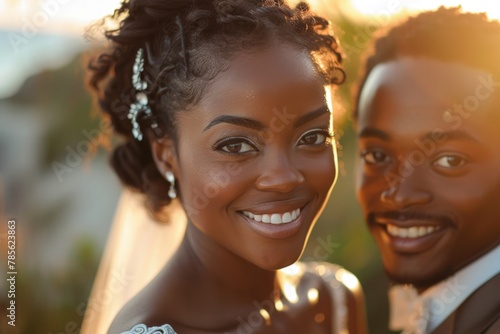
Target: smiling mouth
{"points": [[411, 232], [274, 218]]}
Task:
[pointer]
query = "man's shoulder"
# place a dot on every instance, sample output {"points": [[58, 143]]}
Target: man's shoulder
{"points": [[479, 313], [495, 327]]}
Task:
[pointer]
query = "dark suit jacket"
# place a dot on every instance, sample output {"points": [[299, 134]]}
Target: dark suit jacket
{"points": [[478, 314]]}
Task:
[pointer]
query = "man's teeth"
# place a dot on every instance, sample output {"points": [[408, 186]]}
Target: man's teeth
{"points": [[274, 218], [411, 232]]}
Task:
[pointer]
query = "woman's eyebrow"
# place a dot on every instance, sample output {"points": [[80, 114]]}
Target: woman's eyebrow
{"points": [[256, 125], [236, 120], [312, 115]]}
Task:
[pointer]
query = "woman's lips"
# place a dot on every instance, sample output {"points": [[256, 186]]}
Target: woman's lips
{"points": [[275, 225], [274, 218]]}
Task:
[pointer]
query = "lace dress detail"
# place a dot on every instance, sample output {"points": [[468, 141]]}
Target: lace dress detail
{"points": [[143, 329]]}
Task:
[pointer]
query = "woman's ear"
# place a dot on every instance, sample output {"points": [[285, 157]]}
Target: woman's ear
{"points": [[165, 155]]}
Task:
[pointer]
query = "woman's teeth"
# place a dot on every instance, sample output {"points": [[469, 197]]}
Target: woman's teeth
{"points": [[274, 218], [411, 232]]}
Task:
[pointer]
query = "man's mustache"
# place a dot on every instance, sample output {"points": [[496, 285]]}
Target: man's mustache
{"points": [[409, 215]]}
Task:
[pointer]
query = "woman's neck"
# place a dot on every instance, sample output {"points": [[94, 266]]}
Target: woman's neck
{"points": [[210, 281], [220, 267]]}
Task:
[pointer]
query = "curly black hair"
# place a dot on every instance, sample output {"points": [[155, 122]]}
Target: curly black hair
{"points": [[187, 43], [446, 34]]}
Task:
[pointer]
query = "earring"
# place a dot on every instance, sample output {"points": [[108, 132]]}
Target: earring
{"points": [[172, 193]]}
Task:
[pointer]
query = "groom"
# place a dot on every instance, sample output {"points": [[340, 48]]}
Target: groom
{"points": [[428, 174]]}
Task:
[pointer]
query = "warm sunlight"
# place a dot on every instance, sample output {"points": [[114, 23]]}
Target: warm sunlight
{"points": [[382, 7], [70, 16], [67, 16]]}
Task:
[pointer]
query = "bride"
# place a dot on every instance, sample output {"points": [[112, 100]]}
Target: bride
{"points": [[223, 108]]}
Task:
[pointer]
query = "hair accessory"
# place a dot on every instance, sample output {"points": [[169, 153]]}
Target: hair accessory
{"points": [[172, 193], [141, 99]]}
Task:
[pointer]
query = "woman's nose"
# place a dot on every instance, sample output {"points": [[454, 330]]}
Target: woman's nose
{"points": [[279, 174]]}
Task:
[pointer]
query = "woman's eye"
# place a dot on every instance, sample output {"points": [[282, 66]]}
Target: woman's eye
{"points": [[374, 157], [450, 161], [236, 147], [315, 138]]}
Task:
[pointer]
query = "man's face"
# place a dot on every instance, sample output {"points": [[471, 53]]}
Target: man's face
{"points": [[428, 172]]}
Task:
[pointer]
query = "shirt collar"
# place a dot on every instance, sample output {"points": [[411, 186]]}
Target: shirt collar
{"points": [[443, 298]]}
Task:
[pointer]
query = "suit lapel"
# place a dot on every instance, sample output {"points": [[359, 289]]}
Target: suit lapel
{"points": [[480, 311]]}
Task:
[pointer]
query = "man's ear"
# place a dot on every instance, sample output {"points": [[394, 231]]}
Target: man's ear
{"points": [[165, 155]]}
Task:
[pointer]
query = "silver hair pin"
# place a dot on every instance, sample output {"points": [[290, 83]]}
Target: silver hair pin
{"points": [[141, 99]]}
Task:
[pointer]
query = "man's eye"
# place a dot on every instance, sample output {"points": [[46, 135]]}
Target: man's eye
{"points": [[315, 138], [374, 157], [450, 161]]}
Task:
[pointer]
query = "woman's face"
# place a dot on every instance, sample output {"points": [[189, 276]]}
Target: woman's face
{"points": [[255, 158]]}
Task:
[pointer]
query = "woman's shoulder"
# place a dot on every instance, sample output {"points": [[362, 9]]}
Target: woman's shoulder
{"points": [[140, 316], [143, 329]]}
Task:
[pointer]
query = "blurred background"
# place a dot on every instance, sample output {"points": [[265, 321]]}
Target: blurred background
{"points": [[62, 193]]}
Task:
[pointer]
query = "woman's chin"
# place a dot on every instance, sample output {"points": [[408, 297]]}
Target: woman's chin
{"points": [[277, 264]]}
